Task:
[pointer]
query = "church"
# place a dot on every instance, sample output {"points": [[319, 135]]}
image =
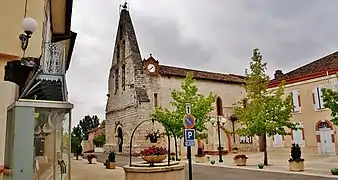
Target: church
{"points": [[137, 85]]}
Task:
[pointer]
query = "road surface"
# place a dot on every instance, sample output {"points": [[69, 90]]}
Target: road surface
{"points": [[202, 172]]}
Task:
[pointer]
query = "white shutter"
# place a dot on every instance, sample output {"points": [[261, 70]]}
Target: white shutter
{"points": [[321, 102], [315, 98], [298, 137], [278, 140], [296, 105]]}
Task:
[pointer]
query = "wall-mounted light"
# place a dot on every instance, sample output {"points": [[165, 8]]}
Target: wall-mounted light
{"points": [[29, 25]]}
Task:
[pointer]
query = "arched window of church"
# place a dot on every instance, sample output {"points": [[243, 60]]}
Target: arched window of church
{"points": [[219, 106], [124, 77], [116, 80]]}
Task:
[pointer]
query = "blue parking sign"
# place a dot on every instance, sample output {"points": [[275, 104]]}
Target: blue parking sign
{"points": [[189, 134]]}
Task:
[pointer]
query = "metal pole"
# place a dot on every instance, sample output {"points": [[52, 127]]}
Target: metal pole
{"points": [[189, 162], [219, 141]]}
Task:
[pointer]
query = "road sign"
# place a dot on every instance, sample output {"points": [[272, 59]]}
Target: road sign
{"points": [[189, 143], [189, 121], [187, 108], [189, 134]]}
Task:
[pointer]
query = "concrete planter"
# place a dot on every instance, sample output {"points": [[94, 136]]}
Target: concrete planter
{"points": [[240, 161], [296, 166], [154, 158], [201, 159], [110, 165]]}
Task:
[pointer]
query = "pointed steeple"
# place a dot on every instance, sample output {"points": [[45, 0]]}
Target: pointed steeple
{"points": [[126, 41]]}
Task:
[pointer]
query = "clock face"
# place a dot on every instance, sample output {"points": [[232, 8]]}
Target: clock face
{"points": [[151, 68]]}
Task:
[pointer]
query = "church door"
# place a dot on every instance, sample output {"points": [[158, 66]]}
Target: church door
{"points": [[119, 139]]}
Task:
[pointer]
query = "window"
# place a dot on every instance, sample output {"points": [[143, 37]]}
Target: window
{"points": [[219, 106], [116, 80], [297, 136], [317, 98], [278, 140], [155, 100], [118, 53], [296, 100], [124, 77], [245, 139]]}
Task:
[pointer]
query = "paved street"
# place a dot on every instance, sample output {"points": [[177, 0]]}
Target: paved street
{"points": [[202, 172]]}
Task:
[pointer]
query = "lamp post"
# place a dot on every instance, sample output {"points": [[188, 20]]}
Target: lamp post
{"points": [[219, 122], [29, 25]]}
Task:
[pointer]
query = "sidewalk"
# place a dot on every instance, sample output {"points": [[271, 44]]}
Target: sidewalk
{"points": [[81, 170], [314, 164]]}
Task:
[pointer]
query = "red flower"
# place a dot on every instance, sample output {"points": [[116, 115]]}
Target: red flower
{"points": [[153, 150]]}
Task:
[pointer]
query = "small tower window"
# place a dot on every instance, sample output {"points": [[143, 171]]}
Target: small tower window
{"points": [[118, 52], [219, 106], [155, 100], [116, 80], [124, 77], [123, 49]]}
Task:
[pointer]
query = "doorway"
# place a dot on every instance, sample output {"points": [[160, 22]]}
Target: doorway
{"points": [[119, 139], [325, 141]]}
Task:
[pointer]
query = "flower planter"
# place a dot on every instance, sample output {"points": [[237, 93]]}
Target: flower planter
{"points": [[110, 165], [154, 158], [200, 159], [240, 161], [296, 166]]}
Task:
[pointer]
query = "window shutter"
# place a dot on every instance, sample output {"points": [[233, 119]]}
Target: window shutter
{"points": [[298, 137], [320, 96], [295, 100], [315, 98]]}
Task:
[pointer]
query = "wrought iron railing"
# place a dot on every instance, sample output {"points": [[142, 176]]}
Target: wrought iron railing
{"points": [[54, 59]]}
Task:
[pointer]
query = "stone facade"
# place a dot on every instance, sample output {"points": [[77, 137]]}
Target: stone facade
{"points": [[136, 86]]}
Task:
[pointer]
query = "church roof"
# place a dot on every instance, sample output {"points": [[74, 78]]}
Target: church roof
{"points": [[315, 69], [181, 72]]}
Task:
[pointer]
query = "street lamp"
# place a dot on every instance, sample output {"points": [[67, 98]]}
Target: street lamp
{"points": [[29, 25], [219, 122]]}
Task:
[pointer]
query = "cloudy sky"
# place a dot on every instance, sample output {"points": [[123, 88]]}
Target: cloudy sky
{"points": [[217, 36]]}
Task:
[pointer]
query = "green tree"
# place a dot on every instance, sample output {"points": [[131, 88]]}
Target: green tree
{"points": [[89, 123], [266, 112], [100, 140], [330, 98], [76, 137], [201, 106]]}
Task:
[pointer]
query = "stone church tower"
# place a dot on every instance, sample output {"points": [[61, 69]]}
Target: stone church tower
{"points": [[128, 103], [136, 86]]}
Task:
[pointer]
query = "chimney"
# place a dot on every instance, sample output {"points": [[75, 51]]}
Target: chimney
{"points": [[278, 74]]}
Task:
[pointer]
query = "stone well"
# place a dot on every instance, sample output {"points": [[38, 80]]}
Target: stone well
{"points": [[142, 171]]}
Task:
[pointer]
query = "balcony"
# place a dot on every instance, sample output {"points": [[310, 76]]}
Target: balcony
{"points": [[54, 59]]}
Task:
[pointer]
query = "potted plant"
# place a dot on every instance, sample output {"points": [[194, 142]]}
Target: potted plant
{"points": [[240, 160], [110, 162], [153, 154], [235, 150], [90, 158], [153, 136], [199, 157], [296, 163], [78, 152], [172, 156], [212, 161]]}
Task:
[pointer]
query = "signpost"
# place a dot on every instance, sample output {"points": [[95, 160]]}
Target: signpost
{"points": [[189, 135]]}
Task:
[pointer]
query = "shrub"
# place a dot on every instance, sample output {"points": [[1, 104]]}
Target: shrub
{"points": [[153, 150], [241, 156], [100, 140], [296, 153], [111, 157]]}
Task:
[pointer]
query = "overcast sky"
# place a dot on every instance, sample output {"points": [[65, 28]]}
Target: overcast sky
{"points": [[217, 35]]}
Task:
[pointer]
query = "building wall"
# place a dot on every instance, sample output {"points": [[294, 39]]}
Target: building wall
{"points": [[308, 116]]}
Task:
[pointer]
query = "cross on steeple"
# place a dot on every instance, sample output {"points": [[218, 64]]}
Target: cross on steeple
{"points": [[124, 6]]}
